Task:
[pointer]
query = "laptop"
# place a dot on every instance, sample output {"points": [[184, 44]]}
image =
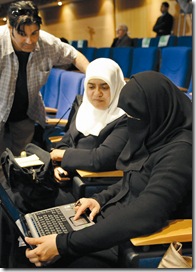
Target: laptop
{"points": [[57, 219]]}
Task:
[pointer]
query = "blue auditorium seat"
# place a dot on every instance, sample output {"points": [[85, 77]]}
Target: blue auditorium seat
{"points": [[82, 43], [176, 64], [79, 43], [74, 43], [139, 42], [189, 92], [70, 86], [103, 52], [145, 59], [184, 41], [147, 42], [88, 52], [167, 40], [154, 41], [50, 91], [123, 56]]}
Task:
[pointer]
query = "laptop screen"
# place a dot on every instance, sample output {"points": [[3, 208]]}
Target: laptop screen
{"points": [[10, 207]]}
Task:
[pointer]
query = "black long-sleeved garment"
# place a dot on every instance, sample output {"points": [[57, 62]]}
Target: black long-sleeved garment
{"points": [[140, 203], [163, 25], [93, 153]]}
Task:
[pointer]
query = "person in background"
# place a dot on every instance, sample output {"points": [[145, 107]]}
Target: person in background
{"points": [[156, 186], [27, 54], [164, 23], [122, 39], [96, 125]]}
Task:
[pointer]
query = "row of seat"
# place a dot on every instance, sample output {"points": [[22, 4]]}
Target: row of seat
{"points": [[164, 40], [160, 41], [79, 43], [175, 62]]}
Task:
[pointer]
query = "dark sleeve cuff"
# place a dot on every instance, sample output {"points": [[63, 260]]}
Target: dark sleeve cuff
{"points": [[61, 243], [63, 246]]}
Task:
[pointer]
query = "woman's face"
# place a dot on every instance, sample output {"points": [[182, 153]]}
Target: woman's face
{"points": [[98, 93]]}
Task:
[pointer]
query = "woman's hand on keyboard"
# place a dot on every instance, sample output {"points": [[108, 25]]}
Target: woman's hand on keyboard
{"points": [[86, 203], [45, 250]]}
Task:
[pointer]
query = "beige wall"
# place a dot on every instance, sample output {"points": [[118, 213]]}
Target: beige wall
{"points": [[96, 20]]}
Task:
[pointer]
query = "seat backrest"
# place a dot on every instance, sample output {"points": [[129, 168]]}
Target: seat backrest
{"points": [[139, 42], [145, 59], [70, 86], [81, 92], [190, 88], [135, 42], [167, 40], [145, 42], [123, 56], [82, 43], [184, 41], [103, 52], [189, 92], [176, 64], [88, 52], [50, 91], [154, 41], [74, 43]]}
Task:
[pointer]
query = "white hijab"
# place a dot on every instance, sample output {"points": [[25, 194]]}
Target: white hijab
{"points": [[90, 120]]}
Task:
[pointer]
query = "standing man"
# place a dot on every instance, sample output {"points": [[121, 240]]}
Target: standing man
{"points": [[27, 54], [122, 39], [164, 23]]}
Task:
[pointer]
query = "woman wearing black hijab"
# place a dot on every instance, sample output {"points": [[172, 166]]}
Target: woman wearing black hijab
{"points": [[156, 186]]}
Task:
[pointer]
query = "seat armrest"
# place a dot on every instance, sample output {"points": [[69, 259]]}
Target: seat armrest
{"points": [[183, 89], [88, 174], [50, 110], [178, 230], [54, 121], [55, 139]]}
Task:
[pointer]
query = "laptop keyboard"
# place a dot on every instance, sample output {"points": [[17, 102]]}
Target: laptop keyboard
{"points": [[51, 221]]}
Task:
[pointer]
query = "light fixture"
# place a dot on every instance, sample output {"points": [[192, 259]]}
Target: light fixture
{"points": [[60, 3]]}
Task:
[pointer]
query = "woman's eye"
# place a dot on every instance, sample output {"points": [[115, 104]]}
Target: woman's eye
{"points": [[91, 87], [105, 88]]}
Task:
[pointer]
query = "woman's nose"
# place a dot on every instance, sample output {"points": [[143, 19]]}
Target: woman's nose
{"points": [[98, 92]]}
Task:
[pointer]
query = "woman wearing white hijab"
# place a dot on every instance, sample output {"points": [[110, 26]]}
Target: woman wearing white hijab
{"points": [[97, 130]]}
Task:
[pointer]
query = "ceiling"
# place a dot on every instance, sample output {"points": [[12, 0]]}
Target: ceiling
{"points": [[4, 1], [40, 3]]}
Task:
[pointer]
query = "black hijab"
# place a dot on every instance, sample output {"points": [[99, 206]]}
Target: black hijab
{"points": [[159, 114]]}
